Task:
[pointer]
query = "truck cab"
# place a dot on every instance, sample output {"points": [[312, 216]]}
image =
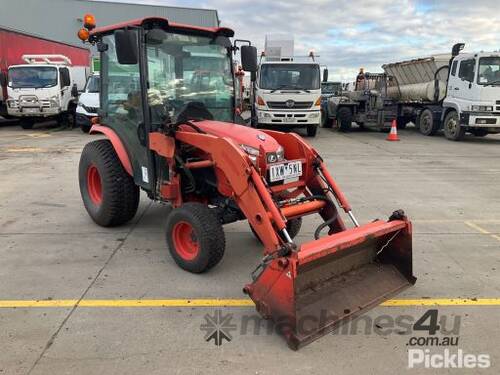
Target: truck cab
{"points": [[45, 87], [472, 103], [288, 94]]}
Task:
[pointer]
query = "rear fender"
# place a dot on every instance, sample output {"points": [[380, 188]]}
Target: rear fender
{"points": [[120, 149]]}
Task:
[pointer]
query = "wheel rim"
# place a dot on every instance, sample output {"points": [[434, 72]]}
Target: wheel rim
{"points": [[185, 242], [94, 185], [451, 125]]}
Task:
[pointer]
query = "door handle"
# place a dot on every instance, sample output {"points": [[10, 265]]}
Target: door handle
{"points": [[456, 88]]}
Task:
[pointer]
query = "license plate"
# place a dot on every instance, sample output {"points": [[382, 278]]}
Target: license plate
{"points": [[279, 172], [289, 119], [30, 110]]}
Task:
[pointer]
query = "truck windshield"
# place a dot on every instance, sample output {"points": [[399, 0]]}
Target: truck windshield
{"points": [[93, 85], [188, 68], [289, 76], [330, 87], [489, 71], [32, 77]]}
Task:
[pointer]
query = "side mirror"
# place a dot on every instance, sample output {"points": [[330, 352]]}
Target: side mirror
{"points": [[325, 75], [3, 79], [74, 91], [126, 47], [249, 58]]}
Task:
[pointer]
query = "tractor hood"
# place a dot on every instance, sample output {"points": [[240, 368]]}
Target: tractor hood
{"points": [[243, 135]]}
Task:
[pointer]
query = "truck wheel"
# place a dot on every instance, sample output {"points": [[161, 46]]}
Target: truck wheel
{"points": [[326, 122], [452, 129], [195, 237], [344, 116], [85, 128], [426, 123], [109, 193], [401, 122], [26, 123], [292, 226], [312, 130]]}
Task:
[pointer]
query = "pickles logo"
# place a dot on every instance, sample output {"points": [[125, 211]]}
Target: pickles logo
{"points": [[218, 327]]}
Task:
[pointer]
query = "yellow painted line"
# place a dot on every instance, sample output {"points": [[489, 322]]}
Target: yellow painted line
{"points": [[26, 149], [168, 303], [482, 230], [443, 302], [229, 302]]}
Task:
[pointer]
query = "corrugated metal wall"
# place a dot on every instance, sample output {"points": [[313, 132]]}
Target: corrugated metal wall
{"points": [[60, 19]]}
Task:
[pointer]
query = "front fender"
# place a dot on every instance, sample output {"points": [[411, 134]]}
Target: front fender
{"points": [[117, 143]]}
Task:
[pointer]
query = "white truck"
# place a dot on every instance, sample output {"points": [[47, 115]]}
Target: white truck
{"points": [[88, 103], [287, 92], [456, 93], [46, 87]]}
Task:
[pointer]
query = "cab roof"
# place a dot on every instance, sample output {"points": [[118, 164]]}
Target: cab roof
{"points": [[164, 24]]}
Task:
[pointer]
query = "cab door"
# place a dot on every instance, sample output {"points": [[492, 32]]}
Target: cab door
{"points": [[462, 85], [122, 109], [65, 86]]}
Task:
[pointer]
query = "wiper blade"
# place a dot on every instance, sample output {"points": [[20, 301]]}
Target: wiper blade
{"points": [[281, 87], [290, 88]]}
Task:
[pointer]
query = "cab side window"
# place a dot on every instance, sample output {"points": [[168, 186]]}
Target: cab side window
{"points": [[454, 68], [466, 70]]}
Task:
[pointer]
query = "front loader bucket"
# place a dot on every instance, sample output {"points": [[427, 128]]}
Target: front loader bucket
{"points": [[334, 279]]}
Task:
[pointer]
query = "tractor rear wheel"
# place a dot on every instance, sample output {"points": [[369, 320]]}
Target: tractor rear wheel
{"points": [[109, 193], [195, 237]]}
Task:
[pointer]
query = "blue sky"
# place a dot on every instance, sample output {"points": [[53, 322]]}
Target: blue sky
{"points": [[350, 34]]}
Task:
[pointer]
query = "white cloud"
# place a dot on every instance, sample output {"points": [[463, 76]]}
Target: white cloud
{"points": [[350, 34]]}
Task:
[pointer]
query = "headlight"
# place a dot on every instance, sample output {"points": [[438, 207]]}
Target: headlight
{"points": [[482, 108], [314, 115], [274, 157], [252, 152], [54, 101]]}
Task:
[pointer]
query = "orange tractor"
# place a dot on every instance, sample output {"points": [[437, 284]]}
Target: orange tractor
{"points": [[180, 143]]}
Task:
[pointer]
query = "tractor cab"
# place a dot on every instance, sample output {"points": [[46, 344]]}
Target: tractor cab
{"points": [[171, 70]]}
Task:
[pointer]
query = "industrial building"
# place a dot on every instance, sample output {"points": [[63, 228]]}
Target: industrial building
{"points": [[59, 20]]}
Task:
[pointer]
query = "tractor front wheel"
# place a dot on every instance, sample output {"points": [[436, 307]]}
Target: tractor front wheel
{"points": [[292, 227], [195, 237], [109, 193]]}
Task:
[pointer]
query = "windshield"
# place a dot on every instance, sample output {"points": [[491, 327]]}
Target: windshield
{"points": [[93, 84], [489, 71], [330, 87], [289, 76], [187, 68], [32, 77]]}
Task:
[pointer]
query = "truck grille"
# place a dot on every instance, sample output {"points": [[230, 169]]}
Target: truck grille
{"points": [[290, 104], [32, 101], [498, 106]]}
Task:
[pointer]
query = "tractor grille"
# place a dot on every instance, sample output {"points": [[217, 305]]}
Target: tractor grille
{"points": [[290, 104]]}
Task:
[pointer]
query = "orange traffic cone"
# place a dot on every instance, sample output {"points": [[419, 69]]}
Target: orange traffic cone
{"points": [[393, 135]]}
